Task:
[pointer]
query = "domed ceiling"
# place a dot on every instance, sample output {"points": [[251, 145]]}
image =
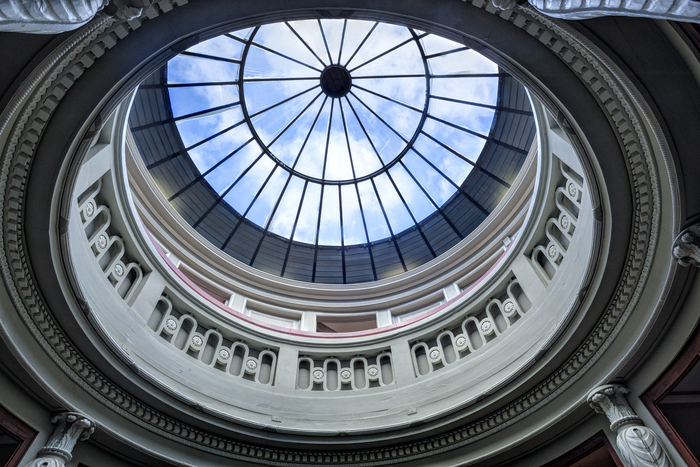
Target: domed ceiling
{"points": [[332, 151]]}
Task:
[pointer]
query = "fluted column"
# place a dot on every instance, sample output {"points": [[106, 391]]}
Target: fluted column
{"points": [[70, 428], [638, 444]]}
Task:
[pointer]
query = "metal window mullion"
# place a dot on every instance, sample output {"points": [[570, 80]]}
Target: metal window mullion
{"points": [[415, 222], [342, 40], [185, 117], [342, 232], [325, 42], [304, 42], [386, 52], [364, 224], [279, 135], [362, 43], [195, 145], [485, 106], [294, 228], [210, 57], [380, 118], [432, 201], [267, 49], [479, 135], [187, 85], [226, 191], [318, 231], [447, 52], [357, 117], [459, 188], [250, 206], [284, 101], [470, 75], [262, 80], [391, 231], [328, 139], [347, 138], [465, 159], [308, 135], [388, 76], [269, 220], [242, 218], [388, 98], [211, 169]]}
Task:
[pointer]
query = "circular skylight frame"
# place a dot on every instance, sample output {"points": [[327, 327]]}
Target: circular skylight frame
{"points": [[387, 224]]}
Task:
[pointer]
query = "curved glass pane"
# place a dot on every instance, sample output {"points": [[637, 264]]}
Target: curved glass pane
{"points": [[333, 132]]}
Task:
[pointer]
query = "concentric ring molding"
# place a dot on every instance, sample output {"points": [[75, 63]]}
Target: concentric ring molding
{"points": [[596, 74]]}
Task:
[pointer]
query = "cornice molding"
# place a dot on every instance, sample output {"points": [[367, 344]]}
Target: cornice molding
{"points": [[64, 68]]}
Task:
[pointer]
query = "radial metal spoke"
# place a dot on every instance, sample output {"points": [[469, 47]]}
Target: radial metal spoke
{"points": [[188, 85], [325, 42], [200, 114], [389, 76], [357, 117], [380, 118], [262, 80], [195, 145], [243, 216], [328, 140], [471, 75], [389, 99], [388, 51], [342, 41], [211, 57], [283, 101], [388, 224], [294, 228], [226, 191], [318, 228], [311, 129], [474, 133], [449, 180], [447, 52], [347, 138], [342, 233], [294, 120], [364, 224], [465, 159], [485, 106], [272, 51], [211, 169], [410, 213], [362, 43], [270, 217], [304, 42], [432, 201]]}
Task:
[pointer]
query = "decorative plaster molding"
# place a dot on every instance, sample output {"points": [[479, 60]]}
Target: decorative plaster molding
{"points": [[639, 445], [686, 248], [47, 16], [71, 427], [50, 86], [675, 10]]}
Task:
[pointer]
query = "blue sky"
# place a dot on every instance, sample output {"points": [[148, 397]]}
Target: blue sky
{"points": [[318, 138]]}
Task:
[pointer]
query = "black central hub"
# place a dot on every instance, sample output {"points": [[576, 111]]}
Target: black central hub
{"points": [[336, 81]]}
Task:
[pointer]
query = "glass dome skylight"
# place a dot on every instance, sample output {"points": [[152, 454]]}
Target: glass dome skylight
{"points": [[333, 132], [332, 150]]}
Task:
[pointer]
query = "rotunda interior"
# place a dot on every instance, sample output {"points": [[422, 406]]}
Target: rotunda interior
{"points": [[326, 232]]}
